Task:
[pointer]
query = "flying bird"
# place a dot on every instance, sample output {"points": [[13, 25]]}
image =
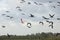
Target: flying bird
{"points": [[22, 1], [29, 25], [58, 5], [58, 2], [22, 21], [51, 26], [47, 21], [29, 2], [54, 6], [51, 16], [31, 15], [36, 3], [3, 14], [22, 13], [45, 17], [8, 35], [17, 7], [50, 1], [7, 16], [41, 23], [58, 18], [40, 4], [11, 17], [7, 11], [51, 22], [20, 9], [3, 26]]}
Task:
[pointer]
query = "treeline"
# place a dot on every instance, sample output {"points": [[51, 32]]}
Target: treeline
{"points": [[37, 36]]}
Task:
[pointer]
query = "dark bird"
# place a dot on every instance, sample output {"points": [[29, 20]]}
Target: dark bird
{"points": [[20, 9], [41, 23], [51, 22], [58, 5], [53, 6], [51, 16], [36, 3], [47, 21], [31, 15], [57, 34], [22, 21], [58, 18], [17, 7], [45, 17], [11, 17], [22, 1], [29, 2], [7, 16], [51, 26], [29, 25], [3, 26], [7, 11], [58, 2], [22, 13], [40, 4], [3, 14], [50, 1], [8, 35]]}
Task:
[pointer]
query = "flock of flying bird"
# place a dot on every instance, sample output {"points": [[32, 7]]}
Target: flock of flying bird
{"points": [[29, 25]]}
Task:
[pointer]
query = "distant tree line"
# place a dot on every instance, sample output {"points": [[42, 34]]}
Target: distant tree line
{"points": [[37, 36]]}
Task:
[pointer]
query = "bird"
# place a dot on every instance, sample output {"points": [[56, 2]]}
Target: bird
{"points": [[11, 17], [29, 25], [29, 3], [36, 3], [7, 16], [7, 11], [20, 9], [45, 17], [51, 16], [22, 1], [41, 23], [22, 21], [58, 18], [3, 26], [53, 6], [57, 34], [31, 15], [22, 13], [17, 7], [51, 23], [51, 26], [8, 35], [3, 14], [40, 4], [58, 2], [58, 5], [50, 1], [47, 21]]}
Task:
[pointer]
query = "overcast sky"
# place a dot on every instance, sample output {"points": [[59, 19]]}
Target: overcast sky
{"points": [[14, 25]]}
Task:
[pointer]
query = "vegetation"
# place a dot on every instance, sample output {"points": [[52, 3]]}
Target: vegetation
{"points": [[37, 36]]}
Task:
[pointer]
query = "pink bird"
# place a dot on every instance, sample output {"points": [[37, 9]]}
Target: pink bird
{"points": [[22, 21]]}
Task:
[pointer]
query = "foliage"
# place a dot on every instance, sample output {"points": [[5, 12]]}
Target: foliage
{"points": [[37, 36]]}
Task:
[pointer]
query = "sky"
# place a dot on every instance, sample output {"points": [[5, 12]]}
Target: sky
{"points": [[14, 25]]}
